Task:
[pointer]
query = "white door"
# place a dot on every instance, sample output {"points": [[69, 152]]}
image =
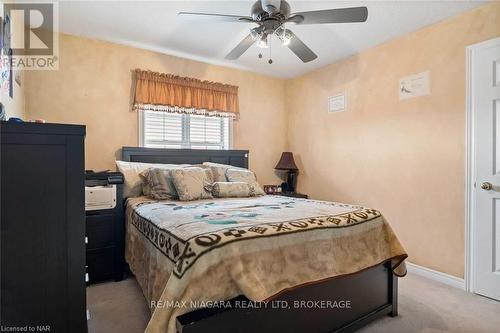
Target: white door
{"points": [[485, 102]]}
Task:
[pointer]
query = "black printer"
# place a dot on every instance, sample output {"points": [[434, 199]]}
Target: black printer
{"points": [[102, 178]]}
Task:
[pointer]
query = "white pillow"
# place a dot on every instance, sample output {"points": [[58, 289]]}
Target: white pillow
{"points": [[219, 170], [231, 189], [131, 170], [245, 176]]}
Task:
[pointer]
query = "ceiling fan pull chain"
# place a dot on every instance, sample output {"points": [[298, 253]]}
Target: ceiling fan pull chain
{"points": [[270, 61]]}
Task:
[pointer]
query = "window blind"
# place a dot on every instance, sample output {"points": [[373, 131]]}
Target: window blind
{"points": [[171, 130]]}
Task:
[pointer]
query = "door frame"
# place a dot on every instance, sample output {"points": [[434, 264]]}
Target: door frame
{"points": [[470, 166]]}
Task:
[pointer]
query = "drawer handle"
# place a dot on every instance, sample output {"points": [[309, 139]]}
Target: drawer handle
{"points": [[87, 278], [86, 240]]}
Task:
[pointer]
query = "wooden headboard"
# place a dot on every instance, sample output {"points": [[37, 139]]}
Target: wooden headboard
{"points": [[238, 158]]}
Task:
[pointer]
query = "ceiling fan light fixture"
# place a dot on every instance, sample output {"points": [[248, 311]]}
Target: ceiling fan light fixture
{"points": [[285, 36], [263, 42], [256, 33]]}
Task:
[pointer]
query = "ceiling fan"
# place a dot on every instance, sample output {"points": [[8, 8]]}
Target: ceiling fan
{"points": [[271, 17]]}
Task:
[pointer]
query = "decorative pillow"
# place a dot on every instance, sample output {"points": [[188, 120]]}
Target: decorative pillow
{"points": [[219, 170], [231, 189], [190, 183], [246, 176], [146, 188], [132, 186], [205, 167], [158, 184]]}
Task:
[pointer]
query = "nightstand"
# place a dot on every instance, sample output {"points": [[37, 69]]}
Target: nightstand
{"points": [[105, 230], [292, 195]]}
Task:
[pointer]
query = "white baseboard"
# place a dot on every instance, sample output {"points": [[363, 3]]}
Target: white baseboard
{"points": [[447, 279]]}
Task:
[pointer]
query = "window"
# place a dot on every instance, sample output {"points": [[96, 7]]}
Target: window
{"points": [[171, 130]]}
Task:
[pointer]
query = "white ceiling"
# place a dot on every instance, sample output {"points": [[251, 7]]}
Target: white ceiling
{"points": [[154, 25]]}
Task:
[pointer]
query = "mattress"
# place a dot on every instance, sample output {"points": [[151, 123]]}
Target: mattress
{"points": [[188, 254]]}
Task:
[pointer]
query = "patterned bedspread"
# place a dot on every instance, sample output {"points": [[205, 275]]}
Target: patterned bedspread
{"points": [[187, 253]]}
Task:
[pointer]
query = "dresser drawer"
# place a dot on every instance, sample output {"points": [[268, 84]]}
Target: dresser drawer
{"points": [[100, 231], [100, 264]]}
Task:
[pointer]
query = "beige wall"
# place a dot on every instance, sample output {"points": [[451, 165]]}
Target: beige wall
{"points": [[93, 87], [405, 158]]}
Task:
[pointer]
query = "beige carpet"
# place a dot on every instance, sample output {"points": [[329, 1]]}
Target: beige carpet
{"points": [[424, 306]]}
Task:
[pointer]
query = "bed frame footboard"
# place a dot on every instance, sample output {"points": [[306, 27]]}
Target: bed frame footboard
{"points": [[341, 304]]}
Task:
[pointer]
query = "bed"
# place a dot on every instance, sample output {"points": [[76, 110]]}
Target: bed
{"points": [[262, 264]]}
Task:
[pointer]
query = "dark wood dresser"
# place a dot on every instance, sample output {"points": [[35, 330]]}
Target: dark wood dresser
{"points": [[43, 227]]}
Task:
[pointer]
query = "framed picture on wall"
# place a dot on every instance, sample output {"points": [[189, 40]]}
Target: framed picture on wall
{"points": [[6, 73], [1, 32], [11, 74], [6, 34]]}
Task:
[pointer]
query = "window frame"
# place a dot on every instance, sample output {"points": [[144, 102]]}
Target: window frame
{"points": [[185, 131]]}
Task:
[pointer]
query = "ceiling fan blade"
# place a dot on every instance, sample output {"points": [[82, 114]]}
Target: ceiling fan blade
{"points": [[216, 17], [338, 15], [241, 48], [300, 49]]}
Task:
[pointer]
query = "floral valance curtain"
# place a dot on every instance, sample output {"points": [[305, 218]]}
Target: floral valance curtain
{"points": [[166, 92]]}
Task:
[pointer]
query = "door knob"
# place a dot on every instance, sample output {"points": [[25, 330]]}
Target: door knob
{"points": [[486, 186]]}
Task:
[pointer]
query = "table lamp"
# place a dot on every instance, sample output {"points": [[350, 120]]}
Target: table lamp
{"points": [[287, 163]]}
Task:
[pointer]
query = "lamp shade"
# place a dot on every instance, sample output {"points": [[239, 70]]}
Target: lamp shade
{"points": [[286, 162]]}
